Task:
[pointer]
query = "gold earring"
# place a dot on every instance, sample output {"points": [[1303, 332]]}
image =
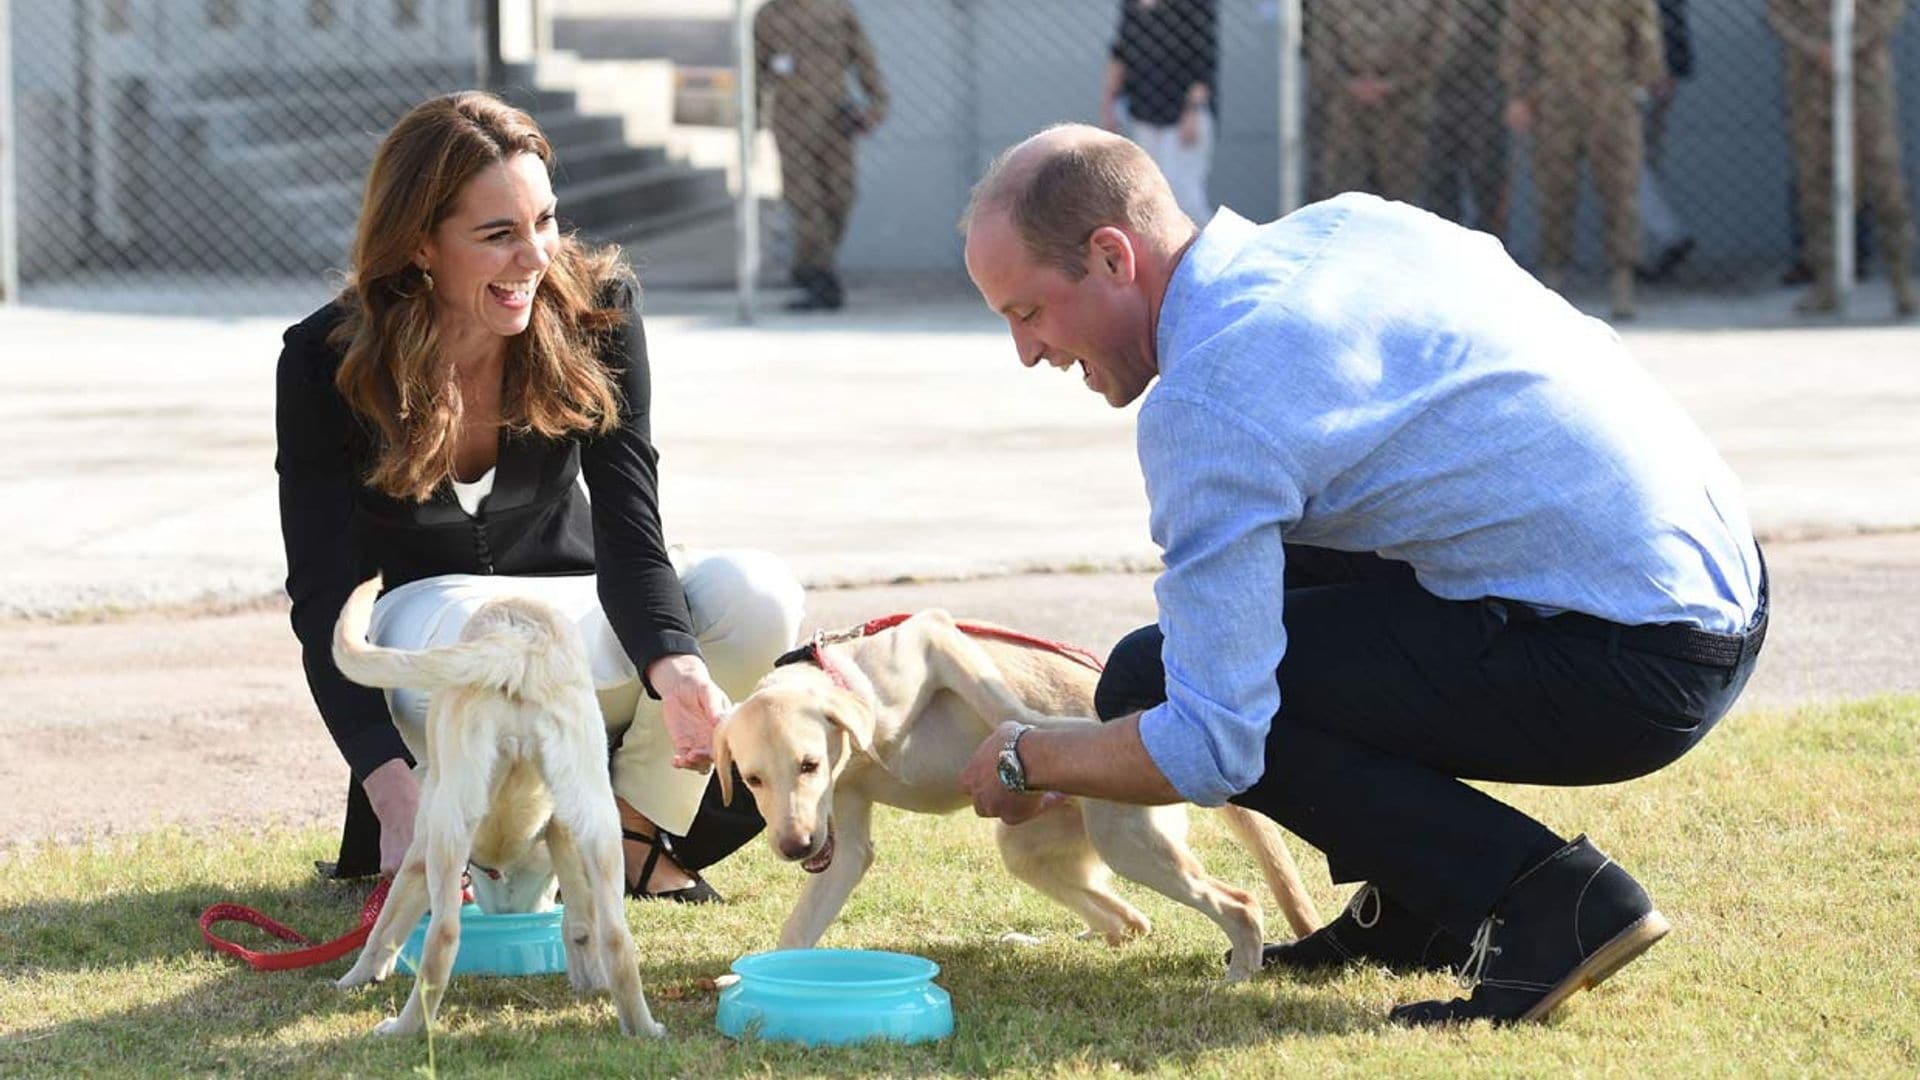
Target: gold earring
{"points": [[426, 278]]}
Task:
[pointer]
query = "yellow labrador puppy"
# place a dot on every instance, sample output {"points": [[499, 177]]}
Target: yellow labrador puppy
{"points": [[515, 777], [892, 717]]}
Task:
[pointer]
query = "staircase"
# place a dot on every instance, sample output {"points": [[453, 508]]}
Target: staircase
{"points": [[287, 175]]}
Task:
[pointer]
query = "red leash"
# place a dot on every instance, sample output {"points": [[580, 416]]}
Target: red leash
{"points": [[988, 630], [312, 954], [814, 651]]}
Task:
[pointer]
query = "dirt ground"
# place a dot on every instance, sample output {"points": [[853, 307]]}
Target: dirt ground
{"points": [[202, 719]]}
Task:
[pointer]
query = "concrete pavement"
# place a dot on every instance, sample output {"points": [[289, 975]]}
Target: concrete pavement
{"points": [[897, 440]]}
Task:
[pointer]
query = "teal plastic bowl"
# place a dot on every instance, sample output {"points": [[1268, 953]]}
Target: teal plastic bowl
{"points": [[528, 944], [826, 997]]}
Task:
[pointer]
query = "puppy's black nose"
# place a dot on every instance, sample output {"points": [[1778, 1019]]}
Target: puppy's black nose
{"points": [[796, 847]]}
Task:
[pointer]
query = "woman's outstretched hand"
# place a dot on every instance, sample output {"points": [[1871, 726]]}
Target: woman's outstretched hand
{"points": [[691, 706]]}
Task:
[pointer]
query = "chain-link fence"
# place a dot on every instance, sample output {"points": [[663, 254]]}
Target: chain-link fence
{"points": [[166, 149], [215, 148], [1640, 141], [883, 114]]}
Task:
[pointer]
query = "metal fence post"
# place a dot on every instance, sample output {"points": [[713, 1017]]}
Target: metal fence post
{"points": [[1292, 116], [9, 130], [746, 213], [1843, 193], [492, 63]]}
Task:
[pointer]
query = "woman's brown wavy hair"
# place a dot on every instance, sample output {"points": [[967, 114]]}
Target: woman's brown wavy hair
{"points": [[393, 372]]}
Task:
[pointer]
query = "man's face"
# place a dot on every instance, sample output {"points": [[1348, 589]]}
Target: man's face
{"points": [[1100, 322]]}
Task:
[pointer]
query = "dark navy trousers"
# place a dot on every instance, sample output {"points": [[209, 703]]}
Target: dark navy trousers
{"points": [[1391, 696]]}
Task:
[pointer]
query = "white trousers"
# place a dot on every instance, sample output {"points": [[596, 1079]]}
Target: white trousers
{"points": [[1185, 167], [746, 607]]}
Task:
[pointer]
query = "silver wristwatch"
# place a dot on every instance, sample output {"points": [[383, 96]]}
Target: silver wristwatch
{"points": [[1013, 774]]}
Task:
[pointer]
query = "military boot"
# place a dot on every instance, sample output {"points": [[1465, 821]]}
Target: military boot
{"points": [[1820, 299], [1900, 275], [1620, 291], [1561, 927]]}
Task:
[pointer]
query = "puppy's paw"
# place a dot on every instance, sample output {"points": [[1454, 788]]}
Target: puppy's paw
{"points": [[354, 979], [395, 1027], [650, 1029]]}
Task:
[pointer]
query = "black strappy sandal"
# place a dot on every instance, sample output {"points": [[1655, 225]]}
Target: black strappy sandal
{"points": [[697, 893]]}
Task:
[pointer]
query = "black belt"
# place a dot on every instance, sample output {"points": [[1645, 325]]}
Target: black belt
{"points": [[1676, 641]]}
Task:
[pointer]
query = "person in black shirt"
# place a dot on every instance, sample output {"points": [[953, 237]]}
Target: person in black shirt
{"points": [[1165, 61], [469, 416]]}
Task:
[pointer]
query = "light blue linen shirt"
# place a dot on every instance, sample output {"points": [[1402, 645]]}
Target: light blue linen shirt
{"points": [[1364, 376]]}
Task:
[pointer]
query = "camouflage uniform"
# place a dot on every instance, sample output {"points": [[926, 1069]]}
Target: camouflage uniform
{"points": [[1805, 27], [1582, 67], [1381, 148], [803, 50], [1469, 140]]}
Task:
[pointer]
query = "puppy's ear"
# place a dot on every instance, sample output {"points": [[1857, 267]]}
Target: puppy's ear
{"points": [[853, 716], [723, 758]]}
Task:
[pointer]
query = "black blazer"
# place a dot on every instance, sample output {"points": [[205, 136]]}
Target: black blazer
{"points": [[536, 522]]}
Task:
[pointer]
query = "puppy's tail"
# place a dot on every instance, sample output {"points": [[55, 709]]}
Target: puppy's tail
{"points": [[1264, 840], [514, 655]]}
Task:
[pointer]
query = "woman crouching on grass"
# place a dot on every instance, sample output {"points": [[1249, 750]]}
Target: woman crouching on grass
{"points": [[435, 422]]}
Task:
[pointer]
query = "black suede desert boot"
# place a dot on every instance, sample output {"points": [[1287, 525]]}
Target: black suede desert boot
{"points": [[1373, 930], [1561, 927]]}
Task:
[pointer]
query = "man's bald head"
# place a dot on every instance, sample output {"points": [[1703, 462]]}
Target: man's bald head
{"points": [[1060, 185]]}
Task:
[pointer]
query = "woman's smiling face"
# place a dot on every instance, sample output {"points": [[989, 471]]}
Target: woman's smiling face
{"points": [[488, 256]]}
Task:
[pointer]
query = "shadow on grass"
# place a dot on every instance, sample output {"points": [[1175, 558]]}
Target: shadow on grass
{"points": [[166, 1003]]}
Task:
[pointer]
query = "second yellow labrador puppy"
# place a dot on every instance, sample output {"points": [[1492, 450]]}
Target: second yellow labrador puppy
{"points": [[892, 717]]}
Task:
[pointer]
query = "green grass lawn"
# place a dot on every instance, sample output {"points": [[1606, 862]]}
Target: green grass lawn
{"points": [[1784, 850]]}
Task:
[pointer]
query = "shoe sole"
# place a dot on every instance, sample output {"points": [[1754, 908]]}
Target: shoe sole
{"points": [[1607, 959]]}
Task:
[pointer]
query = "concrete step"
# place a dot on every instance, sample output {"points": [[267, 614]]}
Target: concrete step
{"points": [[642, 228], [266, 164], [696, 41], [566, 130], [692, 249], [411, 82], [539, 100], [615, 157], [238, 121], [607, 202]]}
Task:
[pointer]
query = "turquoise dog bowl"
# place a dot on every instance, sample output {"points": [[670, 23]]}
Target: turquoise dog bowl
{"points": [[528, 944], [826, 997]]}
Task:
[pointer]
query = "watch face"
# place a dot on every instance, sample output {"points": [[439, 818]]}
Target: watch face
{"points": [[1012, 777]]}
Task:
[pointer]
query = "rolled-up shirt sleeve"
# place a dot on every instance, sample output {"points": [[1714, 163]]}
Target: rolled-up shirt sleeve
{"points": [[1222, 501], [639, 589]]}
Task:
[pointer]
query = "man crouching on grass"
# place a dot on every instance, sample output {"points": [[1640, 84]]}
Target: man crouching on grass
{"points": [[1422, 522]]}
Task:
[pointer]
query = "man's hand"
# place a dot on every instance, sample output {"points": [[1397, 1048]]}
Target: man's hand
{"points": [[1190, 126], [395, 796], [691, 706], [1109, 116], [981, 780]]}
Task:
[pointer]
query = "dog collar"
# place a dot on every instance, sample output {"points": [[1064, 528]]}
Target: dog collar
{"points": [[814, 652]]}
